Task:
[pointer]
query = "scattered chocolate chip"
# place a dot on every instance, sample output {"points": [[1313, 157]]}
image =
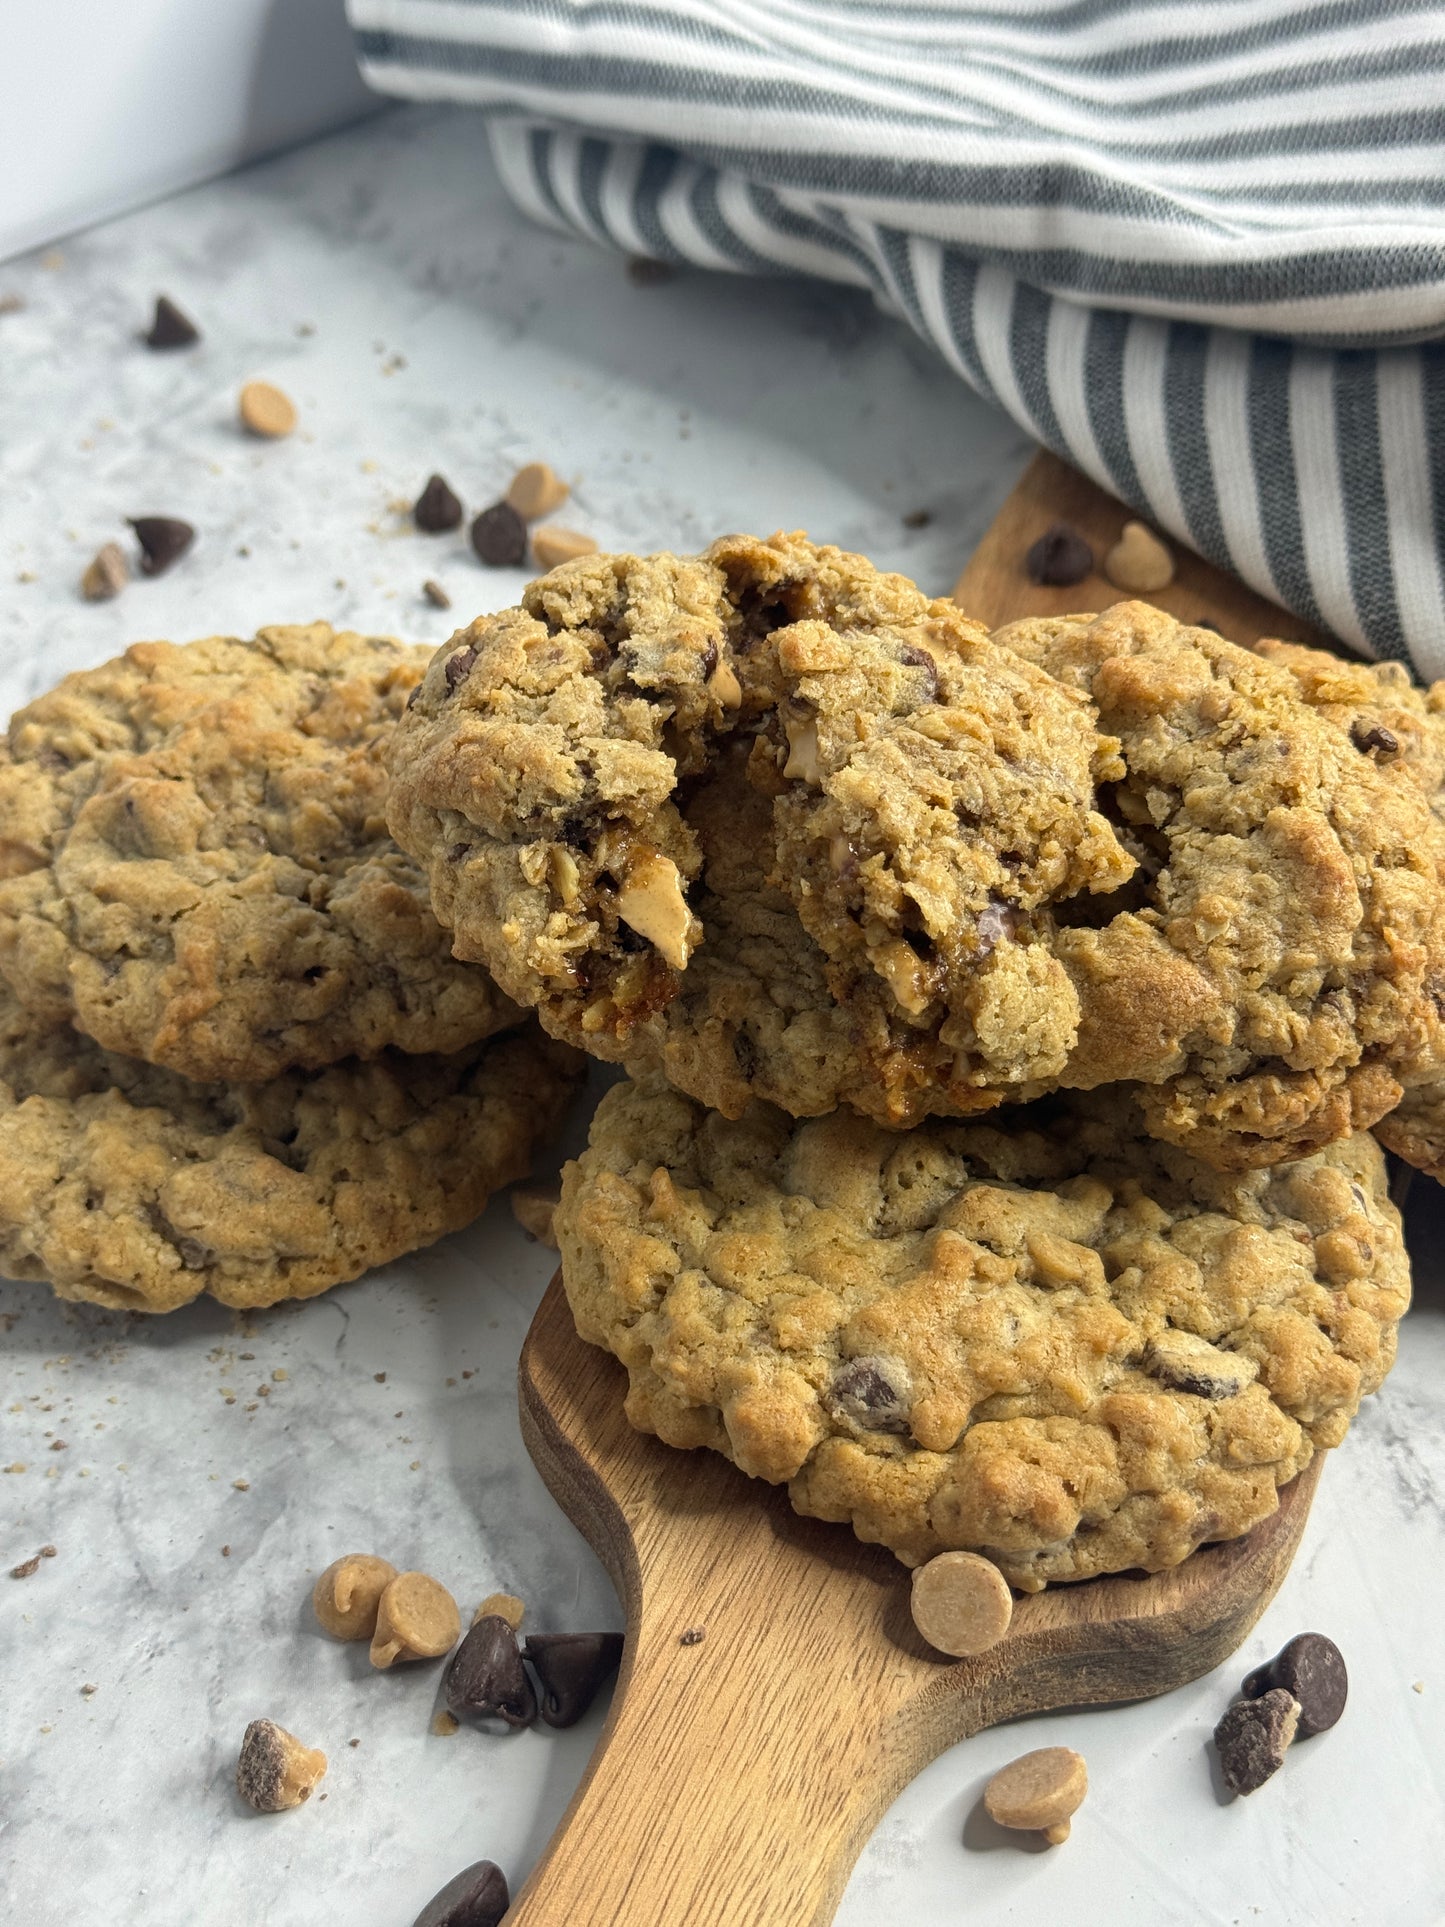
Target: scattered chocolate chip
{"points": [[107, 575], [1059, 558], [499, 536], [647, 273], [918, 518], [459, 667], [920, 659], [478, 1897], [1253, 1738], [25, 1568], [485, 1677], [996, 921], [1311, 1669], [437, 509], [1368, 736], [870, 1392], [571, 1668], [694, 1636], [435, 594], [163, 539], [171, 328]]}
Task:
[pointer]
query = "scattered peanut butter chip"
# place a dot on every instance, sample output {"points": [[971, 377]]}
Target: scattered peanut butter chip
{"points": [[961, 1603], [416, 1618], [435, 594], [1253, 1738], [26, 1567], [106, 575], [552, 546], [499, 537], [444, 1724], [275, 1771], [1039, 1791], [171, 328], [266, 411], [724, 687], [280, 1375], [502, 1605], [536, 490], [348, 1593], [477, 1897], [802, 763], [651, 902], [1060, 558], [533, 1207], [1139, 561], [163, 540], [437, 508]]}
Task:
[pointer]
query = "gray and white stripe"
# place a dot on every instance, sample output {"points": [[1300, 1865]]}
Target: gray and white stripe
{"points": [[1207, 267]]}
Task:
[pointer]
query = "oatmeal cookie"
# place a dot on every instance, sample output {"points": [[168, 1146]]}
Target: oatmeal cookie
{"points": [[195, 867], [1273, 969], [926, 799], [1044, 1336], [133, 1187]]}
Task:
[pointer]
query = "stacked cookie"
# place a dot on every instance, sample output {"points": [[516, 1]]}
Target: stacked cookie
{"points": [[1005, 1014], [235, 1054]]}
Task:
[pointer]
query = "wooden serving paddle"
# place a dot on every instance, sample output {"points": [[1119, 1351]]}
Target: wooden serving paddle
{"points": [[774, 1697]]}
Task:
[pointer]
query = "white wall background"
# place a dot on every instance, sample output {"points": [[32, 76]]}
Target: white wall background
{"points": [[105, 104]]}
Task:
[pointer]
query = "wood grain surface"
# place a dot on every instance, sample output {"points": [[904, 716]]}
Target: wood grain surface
{"points": [[740, 1772], [995, 589]]}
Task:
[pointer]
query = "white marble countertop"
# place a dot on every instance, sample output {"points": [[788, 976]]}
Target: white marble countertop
{"points": [[213, 1463]]}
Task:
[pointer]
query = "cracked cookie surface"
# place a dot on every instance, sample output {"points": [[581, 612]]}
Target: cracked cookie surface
{"points": [[923, 800], [133, 1187], [1272, 973], [1041, 1336], [195, 866]]}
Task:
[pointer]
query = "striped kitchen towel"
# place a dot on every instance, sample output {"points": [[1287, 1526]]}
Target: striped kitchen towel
{"points": [[1199, 252]]}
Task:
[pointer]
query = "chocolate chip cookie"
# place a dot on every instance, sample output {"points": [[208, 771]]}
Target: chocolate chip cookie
{"points": [[925, 799], [195, 867], [1042, 1336], [133, 1187], [1272, 971]]}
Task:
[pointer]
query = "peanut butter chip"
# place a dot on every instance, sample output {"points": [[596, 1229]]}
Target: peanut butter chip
{"points": [[961, 1603], [551, 545], [536, 490], [1040, 1791], [266, 411], [107, 575], [347, 1594], [1139, 561], [651, 903], [275, 1771], [501, 1605], [416, 1618]]}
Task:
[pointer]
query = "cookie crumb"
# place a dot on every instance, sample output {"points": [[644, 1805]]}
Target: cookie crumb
{"points": [[380, 1377], [241, 1485], [534, 1207], [106, 574], [1417, 1686], [694, 1636], [12, 304], [435, 594], [1039, 1792], [444, 1724], [225, 1552], [59, 1445], [26, 1567], [1139, 561], [266, 411], [275, 1771], [961, 1603], [280, 1375], [171, 328], [553, 546], [1253, 1738], [47, 1552], [88, 1689]]}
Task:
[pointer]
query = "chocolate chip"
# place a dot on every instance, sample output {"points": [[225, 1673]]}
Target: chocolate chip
{"points": [[1311, 1669], [1253, 1738], [435, 594], [996, 921], [918, 518], [694, 1636], [1368, 736], [163, 540], [459, 666], [709, 660], [646, 273], [571, 1668], [1187, 1363], [171, 328], [478, 1897], [499, 536], [920, 659], [1059, 558], [867, 1391], [485, 1678], [745, 1054], [436, 509]]}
